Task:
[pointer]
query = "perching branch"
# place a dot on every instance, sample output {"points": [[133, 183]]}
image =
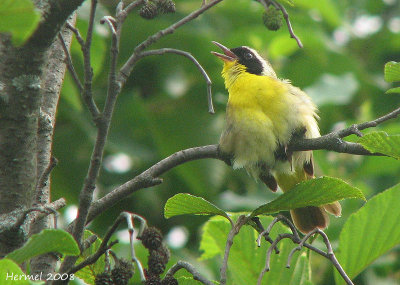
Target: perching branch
{"points": [[191, 269], [332, 141]]}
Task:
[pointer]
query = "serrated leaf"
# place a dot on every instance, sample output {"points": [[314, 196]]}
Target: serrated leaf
{"points": [[381, 142], [392, 71], [89, 272], [369, 233], [246, 259], [183, 203], [19, 18], [393, 90], [46, 241], [314, 192]]}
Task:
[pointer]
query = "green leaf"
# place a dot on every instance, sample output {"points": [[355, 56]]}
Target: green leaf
{"points": [[392, 71], [381, 142], [46, 241], [369, 233], [302, 272], [18, 17], [393, 90], [246, 259], [183, 203], [314, 192], [89, 272]]}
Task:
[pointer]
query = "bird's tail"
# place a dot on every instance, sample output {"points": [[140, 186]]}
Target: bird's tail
{"points": [[308, 218]]}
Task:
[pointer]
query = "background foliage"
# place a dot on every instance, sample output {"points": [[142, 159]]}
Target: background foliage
{"points": [[163, 109]]}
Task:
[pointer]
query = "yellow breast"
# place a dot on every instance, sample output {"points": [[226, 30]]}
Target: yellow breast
{"points": [[257, 118]]}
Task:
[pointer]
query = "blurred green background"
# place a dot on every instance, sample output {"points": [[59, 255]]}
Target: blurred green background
{"points": [[163, 109]]}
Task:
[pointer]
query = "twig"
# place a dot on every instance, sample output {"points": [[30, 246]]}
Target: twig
{"points": [[286, 17], [88, 242], [333, 141], [103, 125], [126, 69], [88, 72], [242, 220], [193, 59], [129, 219], [302, 242], [191, 269], [104, 246], [333, 258], [70, 64], [42, 181], [124, 13]]}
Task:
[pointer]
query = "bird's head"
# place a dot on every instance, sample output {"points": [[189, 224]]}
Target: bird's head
{"points": [[243, 58]]}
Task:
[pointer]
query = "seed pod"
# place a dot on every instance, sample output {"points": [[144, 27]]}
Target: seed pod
{"points": [[151, 238], [103, 279], [122, 272], [169, 280], [166, 6], [272, 18], [149, 11]]}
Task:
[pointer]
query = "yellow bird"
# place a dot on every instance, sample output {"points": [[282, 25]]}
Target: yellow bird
{"points": [[262, 115]]}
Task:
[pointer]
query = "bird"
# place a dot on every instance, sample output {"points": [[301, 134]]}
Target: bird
{"points": [[263, 114]]}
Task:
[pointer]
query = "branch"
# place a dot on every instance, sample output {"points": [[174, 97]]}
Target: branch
{"points": [[301, 242], [242, 220], [104, 246], [193, 59], [53, 18], [333, 141], [191, 269], [70, 64], [126, 69], [286, 17], [150, 177]]}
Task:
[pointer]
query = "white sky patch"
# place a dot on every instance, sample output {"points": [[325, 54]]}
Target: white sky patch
{"points": [[366, 25], [177, 237], [394, 25], [118, 163]]}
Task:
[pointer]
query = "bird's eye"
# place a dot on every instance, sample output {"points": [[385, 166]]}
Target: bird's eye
{"points": [[248, 55]]}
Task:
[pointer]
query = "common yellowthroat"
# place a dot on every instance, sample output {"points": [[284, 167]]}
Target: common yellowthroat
{"points": [[262, 115]]}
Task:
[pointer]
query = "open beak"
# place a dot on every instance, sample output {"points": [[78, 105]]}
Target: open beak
{"points": [[227, 56]]}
